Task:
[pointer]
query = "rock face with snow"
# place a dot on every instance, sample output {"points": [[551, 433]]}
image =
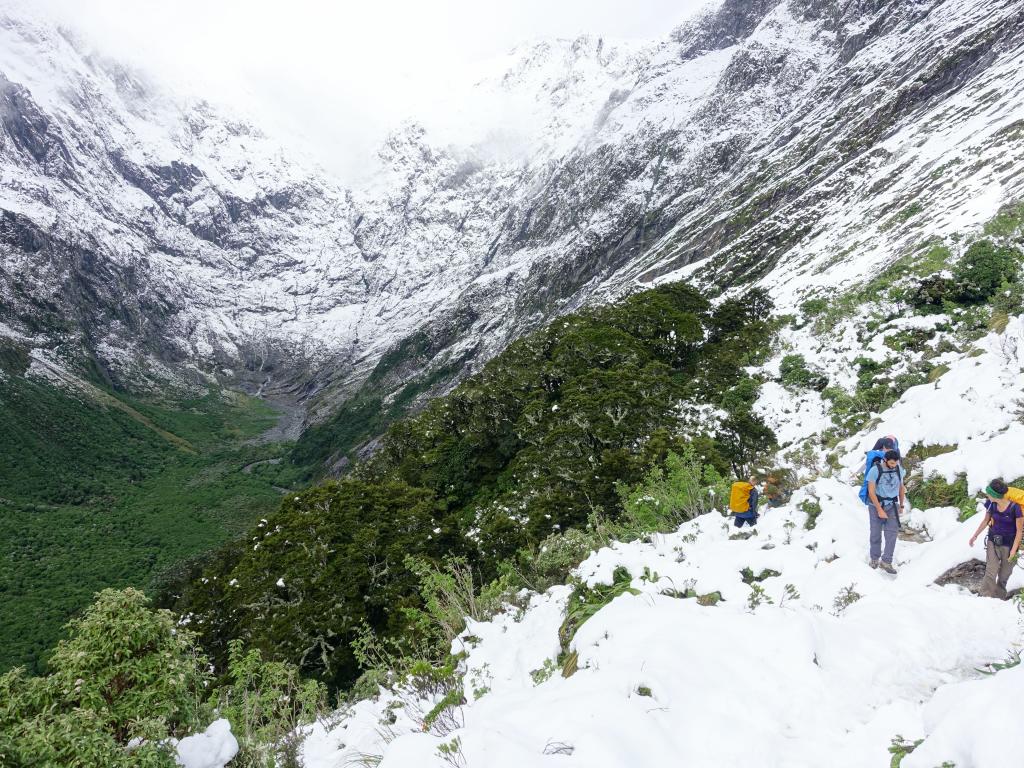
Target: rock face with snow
{"points": [[767, 139]]}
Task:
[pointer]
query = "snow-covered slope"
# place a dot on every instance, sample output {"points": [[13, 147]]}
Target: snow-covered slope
{"points": [[797, 141], [799, 682], [824, 661]]}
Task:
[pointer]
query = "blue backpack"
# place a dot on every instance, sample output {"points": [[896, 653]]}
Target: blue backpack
{"points": [[872, 458]]}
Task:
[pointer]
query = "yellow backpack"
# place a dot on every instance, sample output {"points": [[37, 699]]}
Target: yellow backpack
{"points": [[739, 496]]}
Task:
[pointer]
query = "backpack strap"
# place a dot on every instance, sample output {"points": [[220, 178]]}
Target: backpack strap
{"points": [[883, 470]]}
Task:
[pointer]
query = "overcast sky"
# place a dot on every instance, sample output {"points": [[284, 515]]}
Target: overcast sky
{"points": [[341, 72]]}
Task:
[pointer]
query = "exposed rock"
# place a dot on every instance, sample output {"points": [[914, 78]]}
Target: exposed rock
{"points": [[968, 574]]}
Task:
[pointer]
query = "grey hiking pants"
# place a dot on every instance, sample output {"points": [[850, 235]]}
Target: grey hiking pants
{"points": [[997, 570], [889, 526]]}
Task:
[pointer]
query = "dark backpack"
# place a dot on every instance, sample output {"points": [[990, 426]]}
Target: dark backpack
{"points": [[880, 443]]}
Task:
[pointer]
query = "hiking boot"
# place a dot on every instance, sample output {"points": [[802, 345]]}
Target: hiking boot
{"points": [[887, 567], [873, 563]]}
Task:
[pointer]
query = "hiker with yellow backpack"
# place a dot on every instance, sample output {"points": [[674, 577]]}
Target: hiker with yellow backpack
{"points": [[743, 497], [1004, 518]]}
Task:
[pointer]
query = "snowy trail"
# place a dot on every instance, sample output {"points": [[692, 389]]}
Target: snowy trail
{"points": [[800, 682]]}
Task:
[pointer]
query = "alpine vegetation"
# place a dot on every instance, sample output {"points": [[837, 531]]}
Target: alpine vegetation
{"points": [[547, 438]]}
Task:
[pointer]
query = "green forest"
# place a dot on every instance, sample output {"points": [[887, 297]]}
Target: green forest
{"points": [[540, 442], [101, 489]]}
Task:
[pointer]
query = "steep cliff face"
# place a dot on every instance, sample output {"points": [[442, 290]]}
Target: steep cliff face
{"points": [[788, 141]]}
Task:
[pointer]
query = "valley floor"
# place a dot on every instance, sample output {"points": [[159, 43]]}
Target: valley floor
{"points": [[98, 489]]}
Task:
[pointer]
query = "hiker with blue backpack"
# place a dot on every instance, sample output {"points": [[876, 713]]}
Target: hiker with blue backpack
{"points": [[884, 493]]}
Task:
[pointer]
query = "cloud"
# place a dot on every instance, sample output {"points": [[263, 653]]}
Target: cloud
{"points": [[337, 75]]}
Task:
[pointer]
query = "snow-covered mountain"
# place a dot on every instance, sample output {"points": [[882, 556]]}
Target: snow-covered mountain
{"points": [[795, 141]]}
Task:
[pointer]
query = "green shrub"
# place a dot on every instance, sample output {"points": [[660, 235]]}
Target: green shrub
{"points": [[331, 559], [550, 562], [1007, 301], [749, 577], [265, 702], [670, 495], [811, 508], [794, 373], [983, 269], [542, 675], [125, 673], [846, 597], [451, 753], [934, 491], [900, 748], [450, 596], [933, 291], [585, 601], [758, 597], [813, 307]]}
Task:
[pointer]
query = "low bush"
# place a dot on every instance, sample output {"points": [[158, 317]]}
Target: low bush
{"points": [[669, 495], [934, 491], [129, 679], [811, 508], [933, 291], [983, 269], [266, 702], [550, 562], [813, 307], [794, 373], [846, 597], [585, 601], [126, 680], [450, 594], [749, 577], [900, 748]]}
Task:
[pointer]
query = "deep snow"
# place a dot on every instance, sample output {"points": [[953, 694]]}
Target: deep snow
{"points": [[801, 682]]}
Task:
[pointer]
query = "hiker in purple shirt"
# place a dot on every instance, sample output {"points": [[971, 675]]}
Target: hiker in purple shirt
{"points": [[1005, 521]]}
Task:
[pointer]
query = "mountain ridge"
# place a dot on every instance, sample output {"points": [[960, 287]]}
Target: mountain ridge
{"points": [[728, 150]]}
